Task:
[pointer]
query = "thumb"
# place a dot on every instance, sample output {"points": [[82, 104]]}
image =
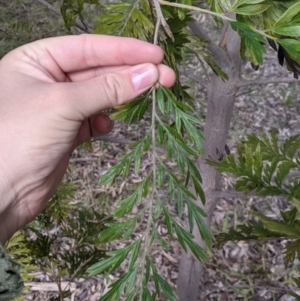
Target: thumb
{"points": [[111, 89]]}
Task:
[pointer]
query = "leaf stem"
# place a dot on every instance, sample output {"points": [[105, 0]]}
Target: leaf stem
{"points": [[205, 11], [154, 158], [190, 7], [155, 42]]}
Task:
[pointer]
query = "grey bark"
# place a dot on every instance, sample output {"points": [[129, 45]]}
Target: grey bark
{"points": [[220, 97]]}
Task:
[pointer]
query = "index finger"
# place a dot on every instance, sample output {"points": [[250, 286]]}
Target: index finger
{"points": [[76, 53]]}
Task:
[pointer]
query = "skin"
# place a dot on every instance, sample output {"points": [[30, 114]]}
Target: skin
{"points": [[49, 90]]}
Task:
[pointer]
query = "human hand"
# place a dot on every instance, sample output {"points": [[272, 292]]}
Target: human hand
{"points": [[51, 91]]}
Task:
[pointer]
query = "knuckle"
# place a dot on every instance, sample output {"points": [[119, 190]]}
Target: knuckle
{"points": [[115, 89]]}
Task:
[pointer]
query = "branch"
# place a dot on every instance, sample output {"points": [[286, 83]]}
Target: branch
{"points": [[217, 51], [266, 81], [54, 9], [293, 174], [229, 194]]}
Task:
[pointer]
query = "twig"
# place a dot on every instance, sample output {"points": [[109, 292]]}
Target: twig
{"points": [[195, 78], [49, 6], [293, 174], [212, 13], [162, 19], [54, 9], [266, 81], [151, 202], [190, 7]]}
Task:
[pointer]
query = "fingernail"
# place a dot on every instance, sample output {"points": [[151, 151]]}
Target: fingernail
{"points": [[108, 122], [144, 76]]}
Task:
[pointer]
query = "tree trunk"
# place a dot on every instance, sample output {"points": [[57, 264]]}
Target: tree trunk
{"points": [[220, 97]]}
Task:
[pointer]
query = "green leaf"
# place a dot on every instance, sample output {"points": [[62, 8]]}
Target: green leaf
{"points": [[292, 250], [125, 206], [135, 252], [252, 41], [147, 275], [289, 14], [113, 231], [130, 228], [146, 295], [131, 283], [250, 10], [181, 161], [132, 111], [158, 209], [197, 213], [289, 30], [165, 287], [137, 159], [276, 226], [160, 99], [226, 4], [110, 176], [168, 221], [155, 279], [160, 175], [199, 190], [186, 238], [291, 46], [111, 263], [282, 172], [180, 203], [297, 281], [295, 295], [132, 295], [252, 1], [146, 186], [118, 287]]}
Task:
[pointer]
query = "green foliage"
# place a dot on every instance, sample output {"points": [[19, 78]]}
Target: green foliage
{"points": [[172, 127], [265, 166], [64, 239], [297, 281], [261, 21], [175, 129], [72, 10], [269, 168], [20, 253], [137, 19], [251, 41], [129, 19]]}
